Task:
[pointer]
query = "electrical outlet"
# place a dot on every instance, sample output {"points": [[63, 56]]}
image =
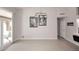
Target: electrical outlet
{"points": [[22, 36]]}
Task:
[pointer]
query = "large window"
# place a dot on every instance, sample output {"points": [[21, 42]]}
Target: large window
{"points": [[5, 28]]}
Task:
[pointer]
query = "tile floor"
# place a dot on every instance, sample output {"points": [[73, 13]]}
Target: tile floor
{"points": [[42, 45]]}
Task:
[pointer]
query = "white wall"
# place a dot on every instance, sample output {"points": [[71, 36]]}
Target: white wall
{"points": [[17, 24], [71, 30], [70, 16], [0, 34], [42, 32], [61, 11]]}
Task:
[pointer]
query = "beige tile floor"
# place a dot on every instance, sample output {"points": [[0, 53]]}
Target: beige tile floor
{"points": [[42, 45]]}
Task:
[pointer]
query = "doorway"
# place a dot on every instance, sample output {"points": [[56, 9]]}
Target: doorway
{"points": [[61, 27]]}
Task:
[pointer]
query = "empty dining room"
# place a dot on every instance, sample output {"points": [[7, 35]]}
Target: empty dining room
{"points": [[39, 28]]}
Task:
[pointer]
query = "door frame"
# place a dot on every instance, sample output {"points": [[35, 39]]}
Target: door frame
{"points": [[59, 19]]}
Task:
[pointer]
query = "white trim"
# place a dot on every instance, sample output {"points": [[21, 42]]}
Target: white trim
{"points": [[36, 39]]}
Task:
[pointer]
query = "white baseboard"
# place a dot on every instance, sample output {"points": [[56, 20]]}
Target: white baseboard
{"points": [[36, 39]]}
